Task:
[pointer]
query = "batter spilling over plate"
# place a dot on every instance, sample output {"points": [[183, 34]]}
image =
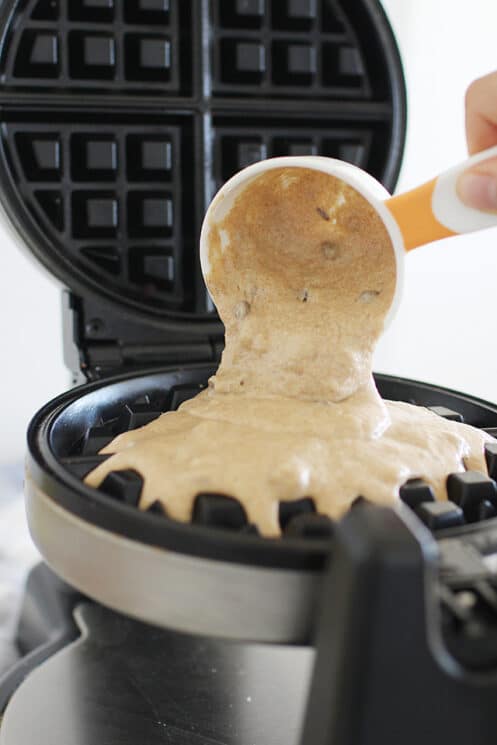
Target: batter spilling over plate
{"points": [[303, 272]]}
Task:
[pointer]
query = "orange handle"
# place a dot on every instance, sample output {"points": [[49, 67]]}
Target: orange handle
{"points": [[413, 213]]}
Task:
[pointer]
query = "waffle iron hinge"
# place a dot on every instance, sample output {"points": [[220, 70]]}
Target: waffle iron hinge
{"points": [[382, 674], [99, 341]]}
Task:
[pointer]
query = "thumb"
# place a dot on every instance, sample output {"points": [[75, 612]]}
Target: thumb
{"points": [[477, 187]]}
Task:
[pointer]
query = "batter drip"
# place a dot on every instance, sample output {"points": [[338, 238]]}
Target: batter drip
{"points": [[303, 273]]}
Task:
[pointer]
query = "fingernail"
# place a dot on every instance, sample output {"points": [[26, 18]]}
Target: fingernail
{"points": [[478, 190]]}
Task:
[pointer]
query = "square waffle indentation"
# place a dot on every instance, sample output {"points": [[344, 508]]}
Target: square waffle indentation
{"points": [[92, 11], [40, 155], [250, 57], [342, 65], [346, 148], [302, 8], [47, 154], [249, 152], [247, 14], [150, 158], [102, 213], [99, 51], [157, 212], [295, 15], [296, 147], [157, 265], [250, 7], [95, 214], [94, 157], [243, 61], [149, 58], [156, 155], [147, 11], [101, 155], [294, 64], [236, 151], [302, 59], [153, 267], [155, 54], [92, 56], [240, 150], [38, 55], [150, 214], [45, 50], [352, 152]]}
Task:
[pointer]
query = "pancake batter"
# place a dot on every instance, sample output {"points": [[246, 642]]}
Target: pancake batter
{"points": [[303, 273]]}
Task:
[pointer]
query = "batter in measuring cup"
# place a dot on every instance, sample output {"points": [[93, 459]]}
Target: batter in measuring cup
{"points": [[303, 274]]}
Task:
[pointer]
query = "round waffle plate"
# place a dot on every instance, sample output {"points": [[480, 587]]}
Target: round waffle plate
{"points": [[191, 577]]}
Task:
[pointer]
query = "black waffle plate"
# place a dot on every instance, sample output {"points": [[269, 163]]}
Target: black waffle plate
{"points": [[65, 437]]}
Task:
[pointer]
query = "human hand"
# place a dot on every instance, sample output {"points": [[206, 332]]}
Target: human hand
{"points": [[477, 187]]}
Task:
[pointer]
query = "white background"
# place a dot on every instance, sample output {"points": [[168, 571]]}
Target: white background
{"points": [[446, 330]]}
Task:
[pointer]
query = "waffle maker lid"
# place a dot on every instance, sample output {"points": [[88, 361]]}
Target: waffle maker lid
{"points": [[120, 120]]}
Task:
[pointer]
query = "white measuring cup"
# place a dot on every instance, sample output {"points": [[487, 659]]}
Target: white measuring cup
{"points": [[427, 213]]}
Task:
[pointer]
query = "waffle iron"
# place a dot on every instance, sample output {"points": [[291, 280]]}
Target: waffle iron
{"points": [[119, 120]]}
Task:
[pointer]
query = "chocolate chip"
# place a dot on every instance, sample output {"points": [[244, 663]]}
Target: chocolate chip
{"points": [[321, 212]]}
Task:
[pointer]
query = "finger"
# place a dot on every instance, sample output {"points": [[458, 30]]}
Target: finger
{"points": [[477, 187], [481, 113]]}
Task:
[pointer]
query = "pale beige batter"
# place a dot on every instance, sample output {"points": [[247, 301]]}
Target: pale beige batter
{"points": [[303, 274]]}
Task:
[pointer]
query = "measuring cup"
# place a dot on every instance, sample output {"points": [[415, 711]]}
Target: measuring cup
{"points": [[430, 212]]}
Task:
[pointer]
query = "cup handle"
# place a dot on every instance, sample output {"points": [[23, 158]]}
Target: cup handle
{"points": [[433, 210]]}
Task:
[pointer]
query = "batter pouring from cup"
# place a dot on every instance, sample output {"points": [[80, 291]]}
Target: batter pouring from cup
{"points": [[303, 272]]}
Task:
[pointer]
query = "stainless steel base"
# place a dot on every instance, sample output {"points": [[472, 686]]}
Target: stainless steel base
{"points": [[172, 590], [126, 683]]}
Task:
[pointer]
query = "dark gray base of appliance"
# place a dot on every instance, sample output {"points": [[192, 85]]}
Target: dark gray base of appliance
{"points": [[122, 682]]}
